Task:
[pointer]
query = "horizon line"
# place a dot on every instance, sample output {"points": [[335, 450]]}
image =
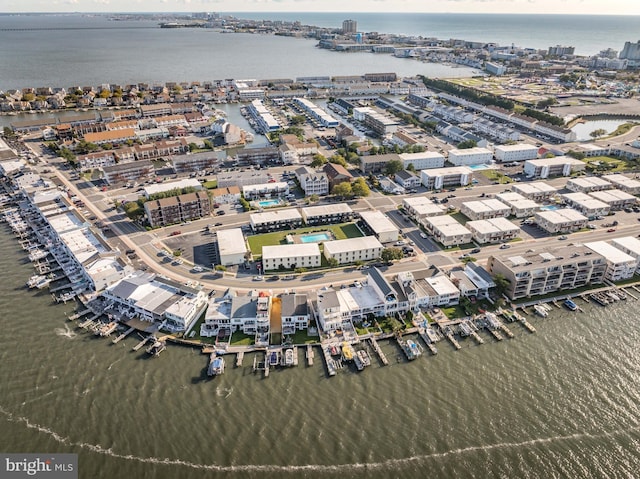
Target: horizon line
{"points": [[316, 12]]}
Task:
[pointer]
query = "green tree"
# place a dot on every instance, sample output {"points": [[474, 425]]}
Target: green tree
{"points": [[501, 282], [177, 253], [221, 268], [390, 254], [342, 190], [105, 94], [8, 132], [318, 161], [313, 198], [466, 144], [338, 160], [468, 259], [578, 155], [193, 146], [297, 120], [332, 262], [392, 167], [598, 133], [411, 168], [360, 188]]}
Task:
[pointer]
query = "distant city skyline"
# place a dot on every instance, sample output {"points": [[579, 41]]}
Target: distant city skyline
{"points": [[586, 7]]}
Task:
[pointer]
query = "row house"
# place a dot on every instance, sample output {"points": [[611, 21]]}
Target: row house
{"points": [[226, 195], [113, 137], [139, 171], [312, 182], [494, 230], [327, 214], [98, 159]]}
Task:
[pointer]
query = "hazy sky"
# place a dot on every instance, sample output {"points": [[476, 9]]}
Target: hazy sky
{"points": [[593, 7]]}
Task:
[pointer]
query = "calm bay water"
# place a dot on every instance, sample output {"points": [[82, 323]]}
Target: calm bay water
{"points": [[562, 402]]}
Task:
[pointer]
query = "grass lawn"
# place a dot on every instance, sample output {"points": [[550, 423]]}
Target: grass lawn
{"points": [[460, 218], [210, 185], [614, 165], [341, 231], [240, 339], [494, 175], [301, 337]]}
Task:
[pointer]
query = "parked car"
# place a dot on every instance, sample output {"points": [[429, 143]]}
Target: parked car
{"points": [[424, 235], [175, 233], [611, 230], [505, 246], [475, 250], [563, 237]]}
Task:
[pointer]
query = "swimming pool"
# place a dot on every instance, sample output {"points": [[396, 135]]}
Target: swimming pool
{"points": [[550, 208], [315, 237], [268, 203], [479, 167]]}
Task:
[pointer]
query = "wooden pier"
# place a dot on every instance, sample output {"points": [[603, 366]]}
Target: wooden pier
{"points": [[123, 335], [627, 292], [453, 341], [60, 287], [141, 343], [496, 334], [266, 364], [309, 355], [295, 355], [427, 341], [79, 314], [378, 350], [329, 362], [239, 358], [506, 331], [477, 337]]}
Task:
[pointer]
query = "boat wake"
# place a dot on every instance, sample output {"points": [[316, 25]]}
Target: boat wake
{"points": [[66, 332], [388, 464], [36, 399], [113, 363], [224, 392]]}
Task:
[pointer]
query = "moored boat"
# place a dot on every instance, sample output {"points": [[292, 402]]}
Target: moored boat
{"points": [[216, 366], [599, 298], [288, 357], [540, 310], [347, 351], [570, 305]]}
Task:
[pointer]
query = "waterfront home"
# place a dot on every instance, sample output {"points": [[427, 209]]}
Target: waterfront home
{"points": [[156, 299], [294, 312]]}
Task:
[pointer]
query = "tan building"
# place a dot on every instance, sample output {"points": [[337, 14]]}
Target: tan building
{"points": [[353, 249], [447, 230], [565, 220], [494, 230], [176, 209], [484, 209]]}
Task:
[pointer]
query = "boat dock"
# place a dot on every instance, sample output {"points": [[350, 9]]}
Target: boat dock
{"points": [[427, 340], [330, 363], [123, 335], [309, 355], [141, 343], [378, 350], [449, 335], [477, 337], [79, 314], [295, 355], [506, 331], [627, 292], [261, 365], [522, 320], [496, 334], [239, 358]]}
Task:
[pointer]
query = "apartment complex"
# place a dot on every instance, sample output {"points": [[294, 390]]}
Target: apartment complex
{"points": [[438, 178], [537, 273], [351, 250], [565, 220], [327, 214], [176, 209], [484, 209], [291, 256]]}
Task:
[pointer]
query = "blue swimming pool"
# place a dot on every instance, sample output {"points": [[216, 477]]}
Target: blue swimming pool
{"points": [[315, 237], [479, 167], [268, 203], [550, 208]]}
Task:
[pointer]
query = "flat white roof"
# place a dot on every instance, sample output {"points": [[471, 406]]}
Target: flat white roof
{"points": [[275, 216], [378, 222], [483, 206], [421, 156], [493, 225], [630, 243], [470, 151], [556, 160], [622, 180], [325, 210], [447, 225], [522, 147], [516, 200], [453, 170], [302, 250], [442, 285], [561, 216], [612, 195], [162, 187], [66, 221], [278, 185], [585, 201], [587, 181], [351, 244], [535, 187], [611, 253], [231, 242]]}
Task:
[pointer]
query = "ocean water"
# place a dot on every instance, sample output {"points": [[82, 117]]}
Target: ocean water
{"points": [[588, 33]]}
